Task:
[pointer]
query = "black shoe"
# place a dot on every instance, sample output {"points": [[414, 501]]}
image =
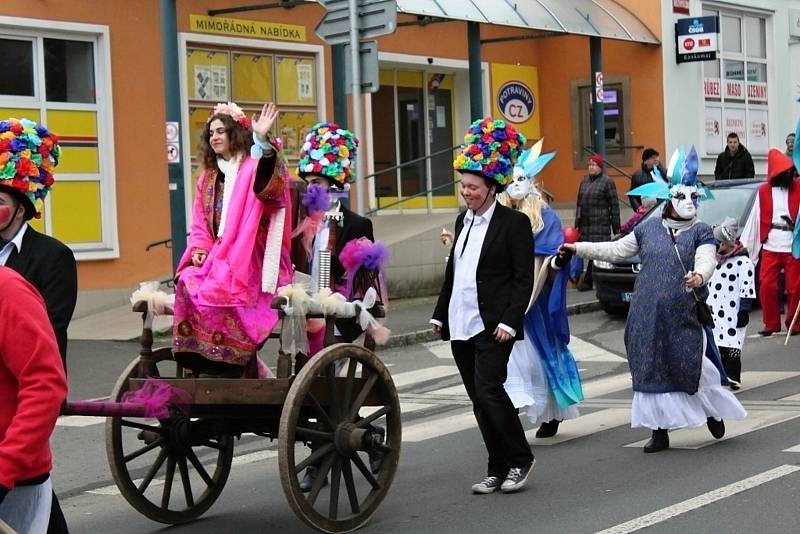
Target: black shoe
{"points": [[658, 442], [717, 428], [766, 333], [548, 429], [308, 479], [516, 478], [375, 454]]}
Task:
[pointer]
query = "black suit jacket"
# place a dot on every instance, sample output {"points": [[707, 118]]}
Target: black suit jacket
{"points": [[353, 226], [49, 266], [504, 276]]}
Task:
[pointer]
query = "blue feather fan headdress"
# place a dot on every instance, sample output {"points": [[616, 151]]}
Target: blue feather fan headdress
{"points": [[682, 170]]}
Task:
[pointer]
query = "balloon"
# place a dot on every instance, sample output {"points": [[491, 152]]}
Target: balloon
{"points": [[571, 235]]}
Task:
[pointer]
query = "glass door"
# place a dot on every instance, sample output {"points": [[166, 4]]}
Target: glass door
{"points": [[412, 119]]}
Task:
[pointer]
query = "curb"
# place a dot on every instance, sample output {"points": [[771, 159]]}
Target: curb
{"points": [[428, 336]]}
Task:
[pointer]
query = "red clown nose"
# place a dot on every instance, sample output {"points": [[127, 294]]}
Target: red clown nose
{"points": [[571, 235]]}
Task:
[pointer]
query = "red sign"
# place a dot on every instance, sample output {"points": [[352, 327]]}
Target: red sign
{"points": [[680, 6], [688, 43], [711, 88]]}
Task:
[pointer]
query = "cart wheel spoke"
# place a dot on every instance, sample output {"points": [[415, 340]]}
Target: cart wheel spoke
{"points": [[211, 445], [321, 411], [373, 416], [162, 456], [199, 468], [310, 433], [322, 474], [147, 448], [349, 483], [168, 478], [336, 475], [314, 457], [333, 392], [365, 471], [362, 396], [352, 364], [187, 483], [142, 426]]}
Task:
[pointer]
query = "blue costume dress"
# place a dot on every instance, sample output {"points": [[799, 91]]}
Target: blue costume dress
{"points": [[542, 375], [676, 372]]}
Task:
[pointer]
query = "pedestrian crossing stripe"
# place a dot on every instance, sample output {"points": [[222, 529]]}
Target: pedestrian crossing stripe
{"points": [[582, 350], [796, 448], [583, 426]]}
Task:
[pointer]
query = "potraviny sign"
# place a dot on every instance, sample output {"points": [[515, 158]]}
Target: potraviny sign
{"points": [[697, 39]]}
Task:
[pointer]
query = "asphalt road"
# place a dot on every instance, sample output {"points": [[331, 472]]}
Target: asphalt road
{"points": [[591, 477]]}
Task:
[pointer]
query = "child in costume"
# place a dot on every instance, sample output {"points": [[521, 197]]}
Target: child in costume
{"points": [[673, 361], [732, 290], [543, 378], [238, 250]]}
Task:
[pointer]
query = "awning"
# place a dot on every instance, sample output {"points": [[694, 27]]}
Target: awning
{"points": [[594, 18]]}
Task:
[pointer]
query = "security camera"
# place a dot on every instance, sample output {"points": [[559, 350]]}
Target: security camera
{"points": [[430, 61]]}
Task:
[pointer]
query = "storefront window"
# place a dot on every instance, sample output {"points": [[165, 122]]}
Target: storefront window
{"points": [[735, 85], [69, 71], [16, 56], [251, 78], [63, 96]]}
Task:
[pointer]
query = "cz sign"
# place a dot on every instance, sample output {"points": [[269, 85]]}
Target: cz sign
{"points": [[696, 39]]}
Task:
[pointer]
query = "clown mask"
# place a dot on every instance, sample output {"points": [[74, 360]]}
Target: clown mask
{"points": [[684, 200], [520, 187]]}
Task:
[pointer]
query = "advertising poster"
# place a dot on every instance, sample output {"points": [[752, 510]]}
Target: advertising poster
{"points": [[515, 97], [735, 122], [714, 139], [757, 128]]}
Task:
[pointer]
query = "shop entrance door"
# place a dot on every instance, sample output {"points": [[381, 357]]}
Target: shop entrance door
{"points": [[412, 118]]}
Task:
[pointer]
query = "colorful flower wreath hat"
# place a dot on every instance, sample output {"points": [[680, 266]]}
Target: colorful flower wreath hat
{"points": [[234, 111], [328, 151], [491, 149], [28, 154]]}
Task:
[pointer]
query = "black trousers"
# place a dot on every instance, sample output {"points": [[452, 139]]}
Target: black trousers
{"points": [[482, 363]]}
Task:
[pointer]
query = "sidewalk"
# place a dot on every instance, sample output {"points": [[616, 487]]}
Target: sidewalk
{"points": [[407, 319]]}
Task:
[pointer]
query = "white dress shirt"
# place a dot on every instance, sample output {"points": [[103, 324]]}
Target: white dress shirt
{"points": [[463, 313], [779, 240], [16, 242]]}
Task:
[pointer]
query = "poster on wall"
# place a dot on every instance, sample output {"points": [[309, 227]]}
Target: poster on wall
{"points": [[515, 97], [757, 128], [734, 121], [714, 142], [210, 82]]}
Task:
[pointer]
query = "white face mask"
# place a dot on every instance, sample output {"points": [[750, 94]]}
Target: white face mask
{"points": [[684, 200], [520, 187]]}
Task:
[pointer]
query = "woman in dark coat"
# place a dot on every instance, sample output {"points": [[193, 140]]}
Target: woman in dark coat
{"points": [[597, 210]]}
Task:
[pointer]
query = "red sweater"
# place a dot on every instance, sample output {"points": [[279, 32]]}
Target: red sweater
{"points": [[32, 382]]}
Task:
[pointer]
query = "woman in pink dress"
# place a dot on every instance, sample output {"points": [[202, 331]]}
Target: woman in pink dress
{"points": [[238, 250]]}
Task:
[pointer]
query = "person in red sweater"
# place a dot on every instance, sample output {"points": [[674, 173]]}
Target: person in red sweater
{"points": [[32, 389]]}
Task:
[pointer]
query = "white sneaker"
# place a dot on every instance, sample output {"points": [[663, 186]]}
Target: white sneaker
{"points": [[516, 478]]}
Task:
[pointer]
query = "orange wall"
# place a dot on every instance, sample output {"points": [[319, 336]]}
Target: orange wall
{"points": [[138, 102], [138, 96], [640, 63]]}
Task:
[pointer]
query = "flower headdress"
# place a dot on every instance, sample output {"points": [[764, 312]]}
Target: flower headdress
{"points": [[28, 154], [234, 111], [328, 151], [364, 261], [491, 148]]}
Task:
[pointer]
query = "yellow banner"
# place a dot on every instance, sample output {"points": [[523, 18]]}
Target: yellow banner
{"points": [[247, 28], [515, 97]]}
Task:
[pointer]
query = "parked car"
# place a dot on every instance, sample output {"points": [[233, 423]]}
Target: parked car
{"points": [[613, 282]]}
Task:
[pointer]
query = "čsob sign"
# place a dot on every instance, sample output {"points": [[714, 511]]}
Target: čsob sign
{"points": [[696, 39]]}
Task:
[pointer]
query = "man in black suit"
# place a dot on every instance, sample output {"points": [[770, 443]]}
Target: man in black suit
{"points": [[487, 287], [45, 262]]}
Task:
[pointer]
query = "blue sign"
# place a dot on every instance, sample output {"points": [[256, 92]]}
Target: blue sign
{"points": [[516, 102]]}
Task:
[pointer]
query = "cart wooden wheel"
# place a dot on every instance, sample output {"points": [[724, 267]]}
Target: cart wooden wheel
{"points": [[144, 456], [341, 403]]}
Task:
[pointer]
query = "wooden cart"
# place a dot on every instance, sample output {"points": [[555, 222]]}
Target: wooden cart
{"points": [[331, 414]]}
